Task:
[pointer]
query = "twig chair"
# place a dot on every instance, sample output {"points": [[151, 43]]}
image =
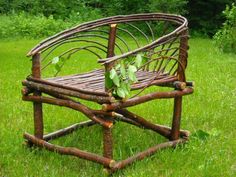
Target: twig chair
{"points": [[164, 40]]}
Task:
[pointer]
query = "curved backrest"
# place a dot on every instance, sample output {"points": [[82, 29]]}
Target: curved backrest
{"points": [[162, 37]]}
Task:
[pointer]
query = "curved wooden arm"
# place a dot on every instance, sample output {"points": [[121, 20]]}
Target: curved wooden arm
{"points": [[181, 21]]}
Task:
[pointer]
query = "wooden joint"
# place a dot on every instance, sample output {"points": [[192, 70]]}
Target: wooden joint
{"points": [[112, 163], [113, 25], [179, 85], [104, 107], [26, 91], [109, 125]]}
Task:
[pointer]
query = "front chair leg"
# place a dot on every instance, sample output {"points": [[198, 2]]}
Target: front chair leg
{"points": [[107, 145], [175, 131], [38, 118], [38, 110]]}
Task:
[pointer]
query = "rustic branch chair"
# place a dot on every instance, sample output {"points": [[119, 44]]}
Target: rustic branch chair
{"points": [[163, 38]]}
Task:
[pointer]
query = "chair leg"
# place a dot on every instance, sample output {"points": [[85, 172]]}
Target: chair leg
{"points": [[107, 143], [107, 147], [38, 118], [175, 131]]}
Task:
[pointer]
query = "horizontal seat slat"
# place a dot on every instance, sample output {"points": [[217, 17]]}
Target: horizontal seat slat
{"points": [[93, 81]]}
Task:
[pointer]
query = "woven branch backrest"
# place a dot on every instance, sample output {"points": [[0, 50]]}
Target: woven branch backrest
{"points": [[160, 37]]}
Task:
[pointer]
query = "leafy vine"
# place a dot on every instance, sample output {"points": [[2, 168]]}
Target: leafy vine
{"points": [[58, 63], [120, 78]]}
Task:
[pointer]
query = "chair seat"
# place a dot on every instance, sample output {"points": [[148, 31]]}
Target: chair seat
{"points": [[93, 81]]}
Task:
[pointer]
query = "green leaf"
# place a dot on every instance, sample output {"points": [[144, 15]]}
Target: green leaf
{"points": [[117, 66], [120, 92], [108, 82], [126, 88], [113, 73], [138, 60], [131, 73], [132, 77], [116, 80], [55, 60], [132, 68], [122, 70], [114, 76]]}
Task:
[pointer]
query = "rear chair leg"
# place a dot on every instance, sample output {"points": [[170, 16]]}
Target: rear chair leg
{"points": [[175, 131]]}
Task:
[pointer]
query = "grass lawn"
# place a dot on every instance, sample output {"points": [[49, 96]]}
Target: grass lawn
{"points": [[210, 109]]}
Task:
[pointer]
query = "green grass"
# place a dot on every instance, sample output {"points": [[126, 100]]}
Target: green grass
{"points": [[211, 108]]}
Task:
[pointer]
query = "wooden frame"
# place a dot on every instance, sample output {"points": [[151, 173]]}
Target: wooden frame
{"points": [[56, 91]]}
